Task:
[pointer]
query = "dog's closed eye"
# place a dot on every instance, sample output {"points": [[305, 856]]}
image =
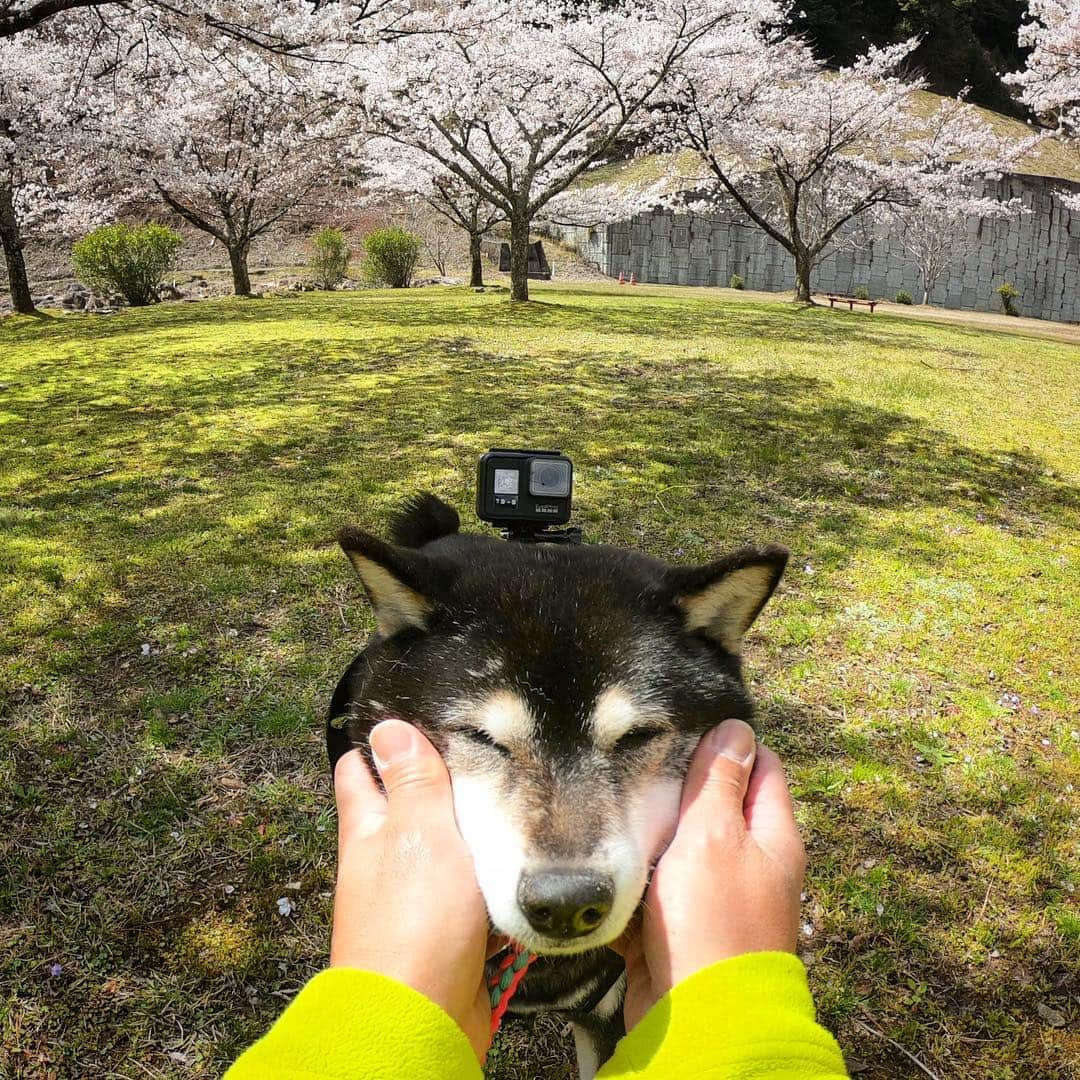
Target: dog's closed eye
{"points": [[637, 739], [482, 738]]}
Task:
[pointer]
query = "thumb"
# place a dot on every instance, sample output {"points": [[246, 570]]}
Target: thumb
{"points": [[719, 774], [411, 769], [361, 805]]}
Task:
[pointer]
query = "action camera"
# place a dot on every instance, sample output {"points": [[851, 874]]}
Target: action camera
{"points": [[524, 492]]}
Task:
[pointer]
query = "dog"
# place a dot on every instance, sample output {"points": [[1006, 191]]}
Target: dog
{"points": [[566, 687]]}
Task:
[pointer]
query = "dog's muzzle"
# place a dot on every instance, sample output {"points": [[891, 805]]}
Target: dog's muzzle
{"points": [[565, 904]]}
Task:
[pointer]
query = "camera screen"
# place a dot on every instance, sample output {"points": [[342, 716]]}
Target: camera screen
{"points": [[550, 478], [506, 481]]}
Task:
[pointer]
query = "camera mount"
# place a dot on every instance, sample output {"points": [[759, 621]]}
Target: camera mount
{"points": [[531, 534]]}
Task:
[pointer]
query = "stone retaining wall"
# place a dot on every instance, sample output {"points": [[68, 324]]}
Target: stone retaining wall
{"points": [[1038, 252]]}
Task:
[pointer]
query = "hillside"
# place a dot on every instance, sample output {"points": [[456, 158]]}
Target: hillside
{"points": [[963, 43], [1052, 158]]}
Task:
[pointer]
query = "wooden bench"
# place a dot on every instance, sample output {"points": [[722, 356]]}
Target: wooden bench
{"points": [[851, 301]]}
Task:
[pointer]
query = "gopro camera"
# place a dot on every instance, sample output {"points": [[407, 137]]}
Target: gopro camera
{"points": [[525, 492]]}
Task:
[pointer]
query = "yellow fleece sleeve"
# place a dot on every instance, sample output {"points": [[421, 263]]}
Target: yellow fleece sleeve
{"points": [[346, 1024], [747, 1018]]}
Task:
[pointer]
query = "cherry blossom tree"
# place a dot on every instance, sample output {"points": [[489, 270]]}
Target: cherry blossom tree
{"points": [[17, 16], [516, 101], [802, 151], [935, 231], [49, 168], [74, 77], [405, 172], [463, 206], [232, 139], [298, 27], [1050, 82]]}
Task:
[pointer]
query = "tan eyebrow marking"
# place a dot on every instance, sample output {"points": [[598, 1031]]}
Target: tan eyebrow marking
{"points": [[507, 718], [618, 712]]}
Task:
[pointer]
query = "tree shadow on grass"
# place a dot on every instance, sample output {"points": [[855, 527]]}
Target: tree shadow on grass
{"points": [[902, 940], [745, 452]]}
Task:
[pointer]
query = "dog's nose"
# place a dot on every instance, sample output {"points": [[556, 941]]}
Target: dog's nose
{"points": [[565, 903]]}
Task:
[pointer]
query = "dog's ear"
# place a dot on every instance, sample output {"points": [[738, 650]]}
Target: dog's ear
{"points": [[722, 599], [401, 584]]}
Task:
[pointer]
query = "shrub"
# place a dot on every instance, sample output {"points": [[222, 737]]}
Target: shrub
{"points": [[330, 258], [128, 259], [736, 282], [904, 297], [861, 292], [1008, 294], [392, 255]]}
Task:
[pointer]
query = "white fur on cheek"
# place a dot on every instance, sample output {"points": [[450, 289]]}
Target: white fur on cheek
{"points": [[496, 848]]}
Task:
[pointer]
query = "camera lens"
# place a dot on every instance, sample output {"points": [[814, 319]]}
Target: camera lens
{"points": [[551, 478]]}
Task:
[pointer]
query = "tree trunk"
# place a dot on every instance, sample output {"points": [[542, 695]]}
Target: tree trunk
{"points": [[476, 274], [926, 294], [519, 257], [238, 254], [803, 265], [10, 235]]}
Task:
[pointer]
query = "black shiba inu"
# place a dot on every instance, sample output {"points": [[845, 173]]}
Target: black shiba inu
{"points": [[566, 688]]}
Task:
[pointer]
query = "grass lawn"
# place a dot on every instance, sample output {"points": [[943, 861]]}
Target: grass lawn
{"points": [[173, 618]]}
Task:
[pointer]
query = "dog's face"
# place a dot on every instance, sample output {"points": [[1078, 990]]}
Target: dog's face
{"points": [[566, 689]]}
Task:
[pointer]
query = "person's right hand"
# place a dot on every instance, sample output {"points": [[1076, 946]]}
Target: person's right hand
{"points": [[730, 882]]}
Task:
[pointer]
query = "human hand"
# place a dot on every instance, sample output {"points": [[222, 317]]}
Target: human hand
{"points": [[730, 882], [407, 904]]}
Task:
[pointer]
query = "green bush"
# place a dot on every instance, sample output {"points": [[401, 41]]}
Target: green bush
{"points": [[1008, 294], [904, 297], [861, 292], [736, 282], [330, 258], [392, 255], [128, 259]]}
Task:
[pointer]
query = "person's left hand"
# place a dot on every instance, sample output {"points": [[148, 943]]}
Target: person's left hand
{"points": [[407, 904]]}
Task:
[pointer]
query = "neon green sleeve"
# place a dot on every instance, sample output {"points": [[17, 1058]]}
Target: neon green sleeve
{"points": [[346, 1024], [747, 1018]]}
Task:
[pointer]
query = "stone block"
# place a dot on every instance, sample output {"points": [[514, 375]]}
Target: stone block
{"points": [[845, 263], [659, 245]]}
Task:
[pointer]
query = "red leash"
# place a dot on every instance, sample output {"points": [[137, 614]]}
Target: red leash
{"points": [[505, 980]]}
